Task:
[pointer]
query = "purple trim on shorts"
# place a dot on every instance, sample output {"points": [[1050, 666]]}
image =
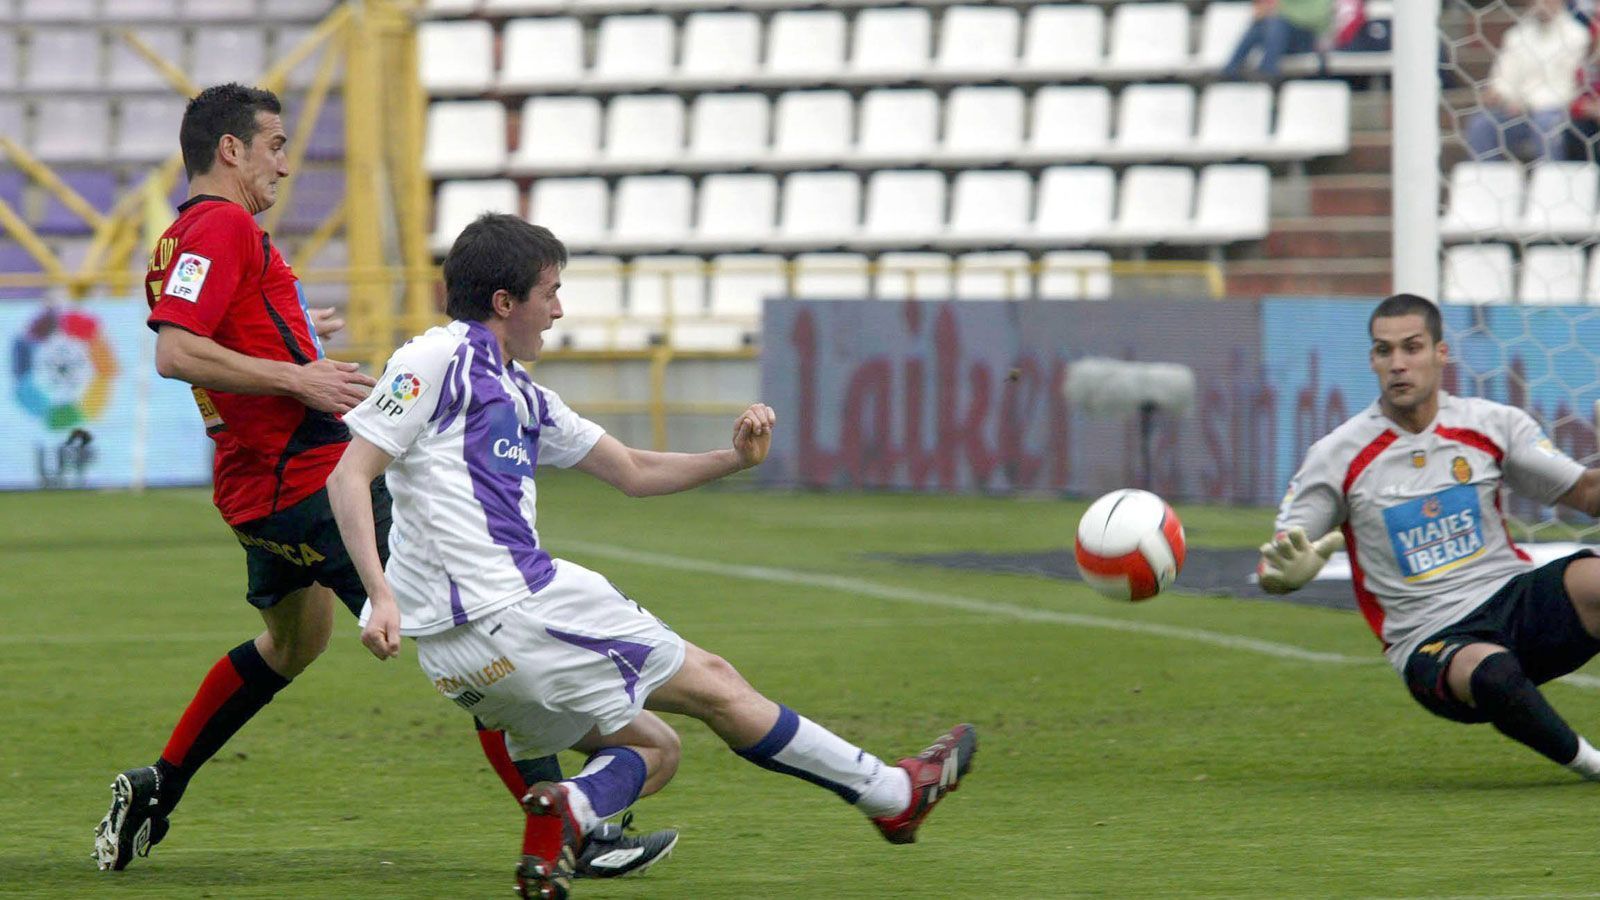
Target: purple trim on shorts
{"points": [[628, 656], [458, 613]]}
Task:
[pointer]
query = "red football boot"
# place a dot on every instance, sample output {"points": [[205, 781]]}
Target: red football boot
{"points": [[934, 772]]}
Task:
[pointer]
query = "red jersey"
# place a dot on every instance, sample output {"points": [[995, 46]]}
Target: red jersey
{"points": [[215, 273]]}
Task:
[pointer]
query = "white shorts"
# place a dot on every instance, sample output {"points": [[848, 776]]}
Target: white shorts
{"points": [[576, 656]]}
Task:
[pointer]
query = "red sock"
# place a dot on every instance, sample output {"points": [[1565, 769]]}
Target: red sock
{"points": [[235, 689], [541, 837], [494, 747]]}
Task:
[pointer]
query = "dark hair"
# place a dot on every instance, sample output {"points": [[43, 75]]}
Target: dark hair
{"points": [[496, 252], [224, 109], [1409, 305]]}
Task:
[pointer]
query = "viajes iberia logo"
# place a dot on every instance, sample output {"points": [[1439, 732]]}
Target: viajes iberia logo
{"points": [[63, 367]]}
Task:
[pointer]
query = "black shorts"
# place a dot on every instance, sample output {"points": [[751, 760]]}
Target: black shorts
{"points": [[1531, 615], [293, 547]]}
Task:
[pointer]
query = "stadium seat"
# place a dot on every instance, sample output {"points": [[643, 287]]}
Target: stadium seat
{"points": [[978, 42], [465, 137], [651, 211], [1591, 290], [904, 209], [16, 261], [720, 48], [703, 335], [820, 209], [663, 285], [989, 208], [644, 130], [575, 209], [891, 44], [1075, 275], [288, 38], [898, 127], [63, 59], [1069, 123], [1551, 274], [1154, 204], [326, 140], [1154, 120], [128, 71], [1232, 203], [56, 10], [741, 282], [1561, 201], [1074, 205], [1002, 275], [913, 276], [1313, 120], [452, 9], [218, 10], [455, 57], [1477, 273], [522, 7], [1148, 39], [803, 45], [293, 10], [728, 129], [1235, 121], [982, 124], [231, 53], [736, 211], [812, 128], [72, 129], [633, 51], [14, 121], [459, 202], [558, 134], [12, 184], [1484, 197], [1066, 40], [1221, 26], [10, 58], [139, 10], [831, 276], [317, 191], [148, 128], [591, 287], [541, 54], [97, 186]]}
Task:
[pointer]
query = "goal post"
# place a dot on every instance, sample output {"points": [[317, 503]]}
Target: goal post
{"points": [[1416, 153]]}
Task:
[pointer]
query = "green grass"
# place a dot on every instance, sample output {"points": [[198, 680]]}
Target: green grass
{"points": [[1112, 764]]}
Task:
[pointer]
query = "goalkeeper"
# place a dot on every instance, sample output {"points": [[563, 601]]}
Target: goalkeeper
{"points": [[1410, 487]]}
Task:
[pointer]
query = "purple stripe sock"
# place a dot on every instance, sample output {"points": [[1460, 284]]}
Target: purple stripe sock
{"points": [[612, 780]]}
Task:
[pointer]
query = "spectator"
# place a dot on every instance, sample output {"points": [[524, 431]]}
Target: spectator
{"points": [[1280, 26], [1531, 86]]}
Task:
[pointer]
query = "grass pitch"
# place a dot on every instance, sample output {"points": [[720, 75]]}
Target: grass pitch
{"points": [[1112, 763]]}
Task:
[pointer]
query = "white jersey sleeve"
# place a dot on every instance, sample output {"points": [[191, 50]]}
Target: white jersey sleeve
{"points": [[565, 437], [1533, 467], [406, 396], [1315, 499]]}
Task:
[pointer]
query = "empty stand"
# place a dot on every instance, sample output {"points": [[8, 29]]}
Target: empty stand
{"points": [[466, 137], [728, 129], [1477, 273], [978, 42], [1551, 274], [558, 134], [459, 202]]}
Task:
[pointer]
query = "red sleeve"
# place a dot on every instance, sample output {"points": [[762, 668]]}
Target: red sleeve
{"points": [[205, 270]]}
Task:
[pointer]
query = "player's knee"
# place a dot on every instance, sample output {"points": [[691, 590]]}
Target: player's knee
{"points": [[1497, 679]]}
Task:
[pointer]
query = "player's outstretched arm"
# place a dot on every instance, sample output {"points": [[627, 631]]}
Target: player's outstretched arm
{"points": [[1585, 495], [350, 495], [322, 384], [647, 473], [1290, 560]]}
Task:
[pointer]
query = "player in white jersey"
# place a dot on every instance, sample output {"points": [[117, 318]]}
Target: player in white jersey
{"points": [[1413, 486], [540, 647]]}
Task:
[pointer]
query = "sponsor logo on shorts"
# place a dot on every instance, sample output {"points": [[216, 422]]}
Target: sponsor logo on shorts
{"points": [[301, 555], [1432, 649], [1461, 470], [1435, 534]]}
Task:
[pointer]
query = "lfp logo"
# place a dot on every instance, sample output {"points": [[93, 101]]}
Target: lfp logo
{"points": [[406, 387], [63, 367]]}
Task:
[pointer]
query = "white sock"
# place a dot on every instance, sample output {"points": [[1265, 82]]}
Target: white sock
{"points": [[582, 809], [1587, 762], [800, 747]]}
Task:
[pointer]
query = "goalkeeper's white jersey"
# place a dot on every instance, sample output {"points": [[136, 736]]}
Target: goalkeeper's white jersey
{"points": [[466, 430], [1421, 513]]}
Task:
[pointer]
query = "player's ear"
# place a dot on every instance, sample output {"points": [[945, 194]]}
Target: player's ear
{"points": [[1444, 350], [501, 303]]}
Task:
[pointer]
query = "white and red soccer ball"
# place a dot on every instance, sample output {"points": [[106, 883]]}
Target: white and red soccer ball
{"points": [[1130, 545]]}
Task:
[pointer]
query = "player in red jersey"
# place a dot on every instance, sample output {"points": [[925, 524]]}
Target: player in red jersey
{"points": [[232, 321]]}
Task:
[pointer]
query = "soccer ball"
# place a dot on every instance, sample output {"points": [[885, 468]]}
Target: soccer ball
{"points": [[1130, 545]]}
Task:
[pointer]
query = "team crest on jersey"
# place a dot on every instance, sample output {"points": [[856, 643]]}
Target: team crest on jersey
{"points": [[1543, 445], [188, 276], [1419, 458], [403, 390], [1461, 469], [1435, 534]]}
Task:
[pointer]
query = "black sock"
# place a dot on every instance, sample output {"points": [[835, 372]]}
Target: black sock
{"points": [[1513, 703], [235, 689]]}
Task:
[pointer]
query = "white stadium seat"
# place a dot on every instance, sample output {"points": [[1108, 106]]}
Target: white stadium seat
{"points": [[1149, 38], [523, 7], [1232, 204], [1551, 274], [9, 58], [728, 128], [455, 57], [231, 54], [1591, 289], [591, 287], [1561, 201], [1075, 275], [914, 276], [820, 208], [1484, 197], [736, 210], [831, 276], [1002, 275], [148, 128], [558, 133], [983, 123], [1155, 203], [127, 70], [541, 54], [989, 208], [633, 50], [652, 210], [465, 137], [63, 59], [1070, 122], [459, 202], [805, 44], [1154, 119], [644, 128], [56, 10], [1075, 205], [891, 43], [663, 285], [978, 41], [216, 10], [720, 47], [576, 209], [898, 127], [1064, 40], [1235, 120], [813, 127], [1477, 273], [14, 120], [1313, 119], [741, 282], [904, 208], [451, 9], [1221, 26], [72, 129], [139, 10]]}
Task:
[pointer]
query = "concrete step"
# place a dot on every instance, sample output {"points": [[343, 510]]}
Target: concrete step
{"points": [[1361, 277], [1343, 237]]}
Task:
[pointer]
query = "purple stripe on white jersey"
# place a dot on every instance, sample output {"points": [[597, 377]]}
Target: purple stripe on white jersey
{"points": [[628, 656], [458, 613], [452, 391]]}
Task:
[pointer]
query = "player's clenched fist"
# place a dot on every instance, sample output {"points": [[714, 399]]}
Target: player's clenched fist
{"points": [[331, 386], [752, 434]]}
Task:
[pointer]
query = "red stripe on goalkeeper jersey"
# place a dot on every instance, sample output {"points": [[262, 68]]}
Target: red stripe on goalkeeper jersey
{"points": [[1480, 441], [1367, 601]]}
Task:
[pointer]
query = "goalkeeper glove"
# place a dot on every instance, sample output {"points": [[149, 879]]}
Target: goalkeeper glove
{"points": [[1290, 560]]}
